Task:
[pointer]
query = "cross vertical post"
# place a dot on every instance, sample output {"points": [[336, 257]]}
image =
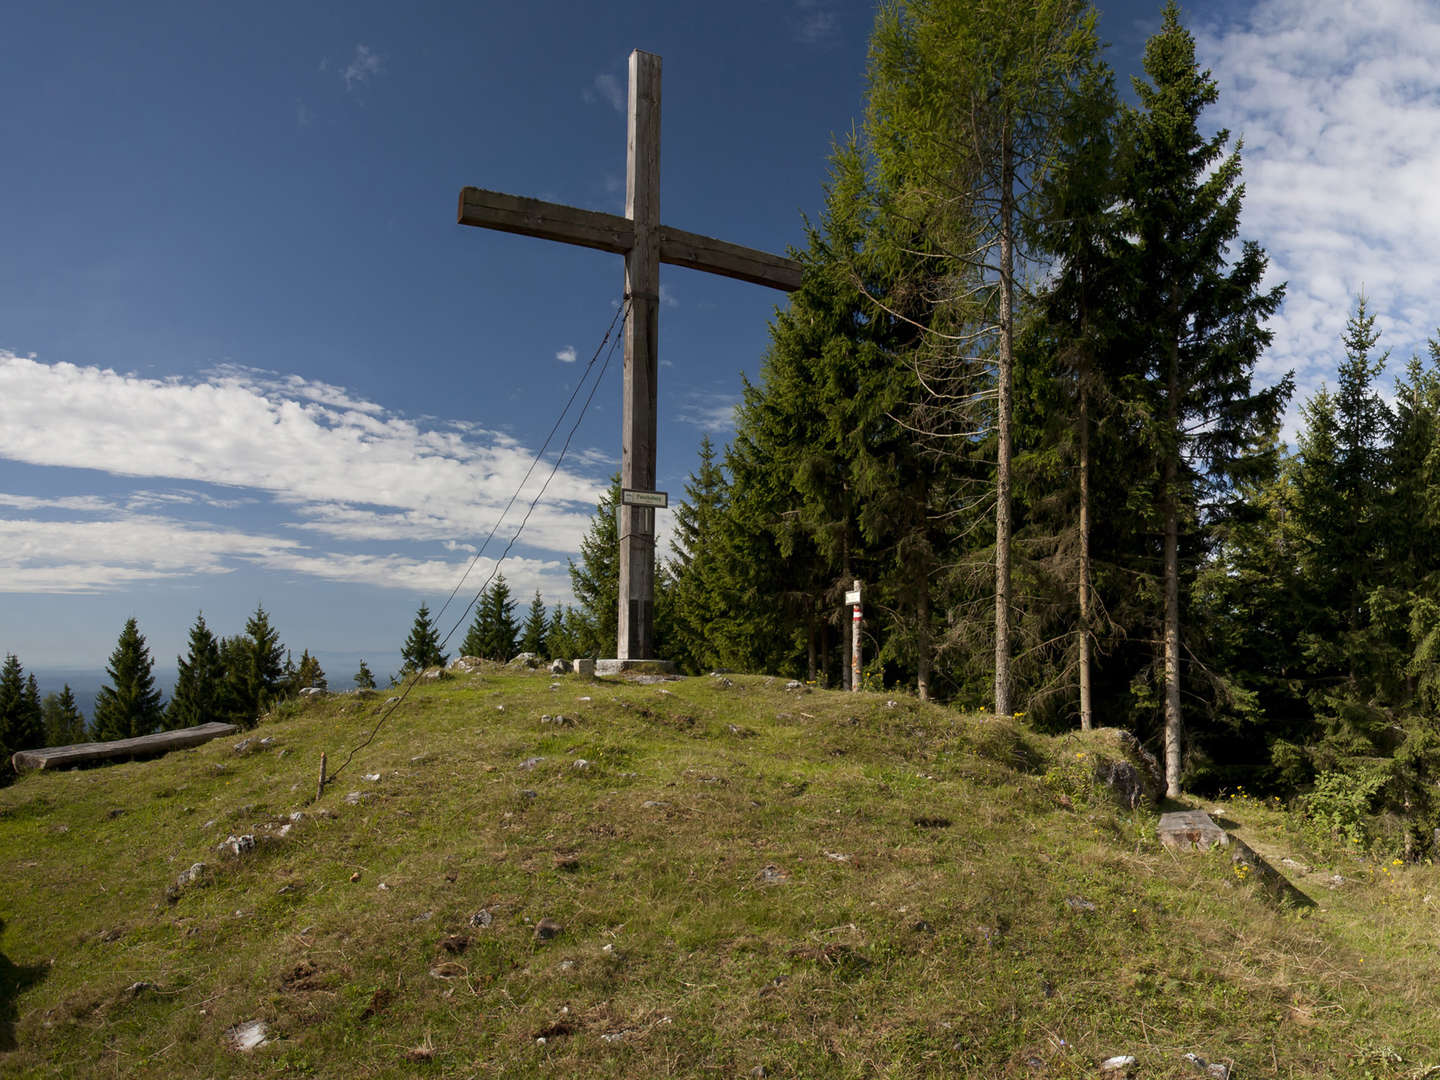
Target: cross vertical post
{"points": [[645, 243], [638, 411]]}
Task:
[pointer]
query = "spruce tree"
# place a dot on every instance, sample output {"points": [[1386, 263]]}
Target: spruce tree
{"points": [[130, 704], [596, 580], [695, 601], [500, 621], [32, 727], [254, 668], [64, 724], [309, 673], [1198, 323], [532, 636], [479, 632], [422, 647], [364, 678], [21, 714], [200, 682]]}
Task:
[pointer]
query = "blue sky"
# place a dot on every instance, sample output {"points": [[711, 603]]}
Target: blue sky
{"points": [[247, 356]]}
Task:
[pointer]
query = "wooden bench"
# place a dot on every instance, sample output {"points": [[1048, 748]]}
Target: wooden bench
{"points": [[142, 746]]}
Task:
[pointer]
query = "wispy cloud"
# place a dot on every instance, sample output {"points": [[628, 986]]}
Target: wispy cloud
{"points": [[605, 88], [566, 355], [709, 411], [363, 67], [88, 557], [667, 297], [322, 461], [1337, 107], [814, 22]]}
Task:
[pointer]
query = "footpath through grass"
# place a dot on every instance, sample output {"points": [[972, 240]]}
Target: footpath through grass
{"points": [[737, 877]]}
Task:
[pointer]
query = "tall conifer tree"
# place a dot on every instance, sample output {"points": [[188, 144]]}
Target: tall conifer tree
{"points": [[532, 636], [130, 704], [199, 685], [421, 649], [595, 581], [1199, 323]]}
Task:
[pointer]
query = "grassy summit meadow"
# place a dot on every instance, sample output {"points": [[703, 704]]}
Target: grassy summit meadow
{"points": [[734, 879]]}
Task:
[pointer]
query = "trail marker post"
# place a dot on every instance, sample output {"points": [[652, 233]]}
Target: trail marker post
{"points": [[853, 599], [645, 243]]}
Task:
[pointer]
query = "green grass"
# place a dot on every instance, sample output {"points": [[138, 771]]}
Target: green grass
{"points": [[818, 883]]}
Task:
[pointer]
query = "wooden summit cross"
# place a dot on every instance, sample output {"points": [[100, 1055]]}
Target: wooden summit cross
{"points": [[645, 243]]}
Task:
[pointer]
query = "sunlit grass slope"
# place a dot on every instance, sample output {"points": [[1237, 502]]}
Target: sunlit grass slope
{"points": [[739, 877]]}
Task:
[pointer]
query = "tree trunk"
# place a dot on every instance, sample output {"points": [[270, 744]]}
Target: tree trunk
{"points": [[1005, 377], [1169, 478], [810, 647], [1087, 716], [922, 642]]}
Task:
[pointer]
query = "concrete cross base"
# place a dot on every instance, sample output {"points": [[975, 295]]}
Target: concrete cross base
{"points": [[634, 667]]}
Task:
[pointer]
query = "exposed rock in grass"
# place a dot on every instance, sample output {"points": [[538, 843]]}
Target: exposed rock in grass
{"points": [[248, 1036], [547, 929], [770, 874], [1186, 830], [1214, 1069], [238, 845], [531, 762], [526, 660], [1120, 1063], [558, 667]]}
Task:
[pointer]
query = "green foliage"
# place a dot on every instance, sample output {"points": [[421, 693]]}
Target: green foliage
{"points": [[130, 704], [364, 678], [532, 635], [254, 669], [199, 695], [595, 581], [421, 649], [64, 723], [308, 673], [492, 633], [1337, 806]]}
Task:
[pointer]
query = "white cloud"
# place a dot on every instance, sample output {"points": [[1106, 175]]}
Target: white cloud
{"points": [[710, 412], [326, 463], [566, 355], [234, 430], [1337, 105], [814, 22], [97, 556], [80, 557], [608, 89], [363, 66], [667, 297]]}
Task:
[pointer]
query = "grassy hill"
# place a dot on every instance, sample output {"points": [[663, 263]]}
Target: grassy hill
{"points": [[741, 880]]}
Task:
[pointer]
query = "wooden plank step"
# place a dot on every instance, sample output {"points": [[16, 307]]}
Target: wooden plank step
{"points": [[162, 742]]}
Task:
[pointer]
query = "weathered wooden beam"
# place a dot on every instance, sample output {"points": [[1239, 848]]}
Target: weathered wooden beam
{"points": [[547, 220], [162, 742], [681, 248], [638, 396]]}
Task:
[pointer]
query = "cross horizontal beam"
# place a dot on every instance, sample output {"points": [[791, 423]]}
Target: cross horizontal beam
{"points": [[616, 234]]}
